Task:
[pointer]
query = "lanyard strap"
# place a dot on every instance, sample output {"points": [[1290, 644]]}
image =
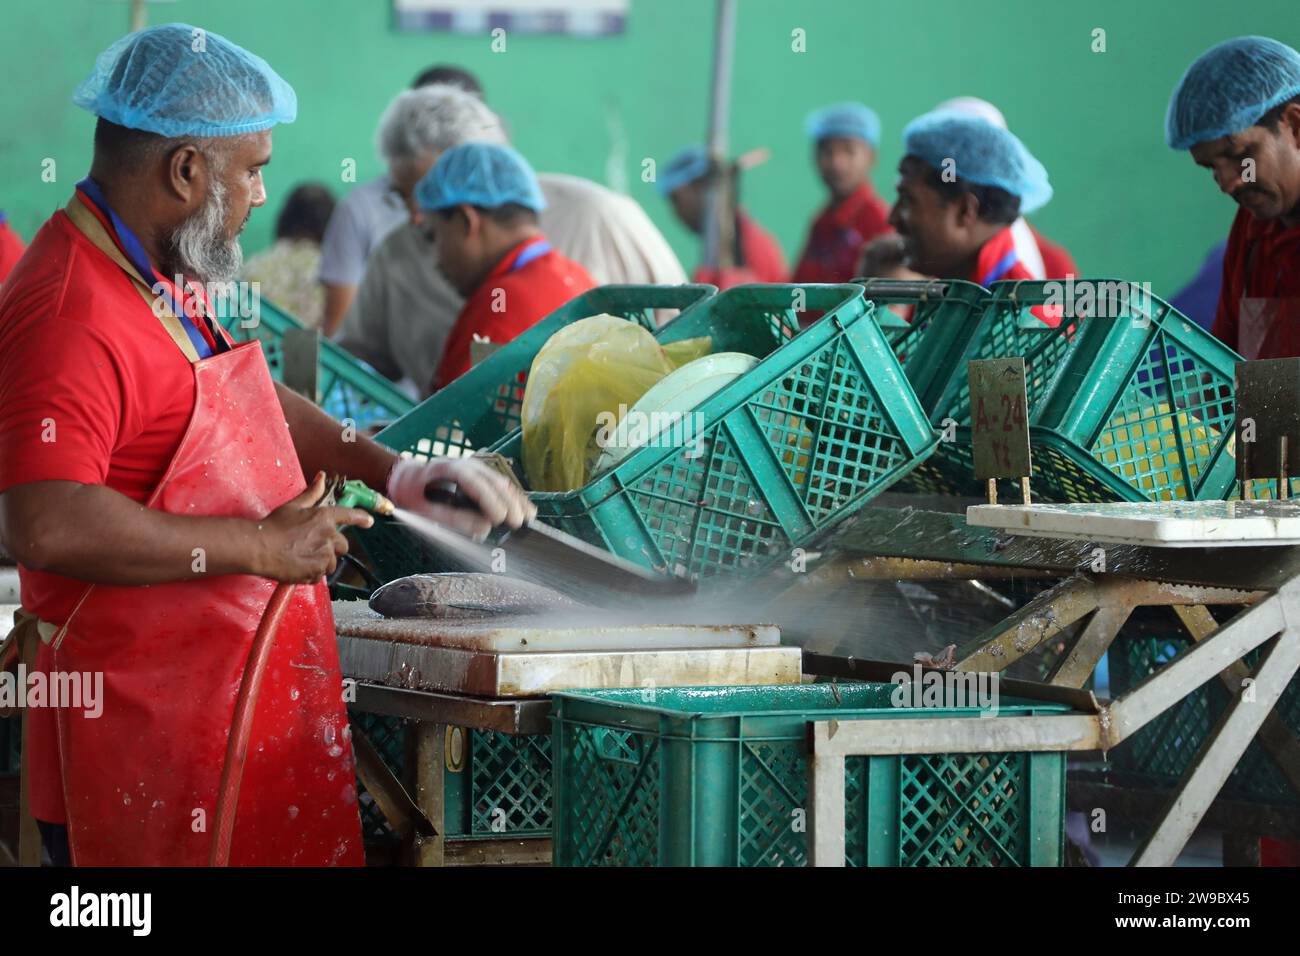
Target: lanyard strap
{"points": [[205, 339], [529, 253], [1002, 268]]}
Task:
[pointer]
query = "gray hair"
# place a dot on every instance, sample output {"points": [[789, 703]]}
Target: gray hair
{"points": [[432, 119]]}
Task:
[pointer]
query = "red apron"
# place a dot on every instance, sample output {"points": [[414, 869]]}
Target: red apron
{"points": [[140, 782]]}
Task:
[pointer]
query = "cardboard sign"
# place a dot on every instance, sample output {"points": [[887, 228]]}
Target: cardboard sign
{"points": [[999, 418]]}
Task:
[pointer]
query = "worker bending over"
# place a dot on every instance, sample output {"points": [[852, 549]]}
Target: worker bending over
{"points": [[152, 487], [961, 184], [1237, 109], [483, 200], [756, 255], [845, 138]]}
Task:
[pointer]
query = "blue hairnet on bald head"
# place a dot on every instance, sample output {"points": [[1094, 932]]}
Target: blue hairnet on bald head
{"points": [[980, 153], [480, 174], [178, 80], [1229, 88], [687, 166], [850, 120]]}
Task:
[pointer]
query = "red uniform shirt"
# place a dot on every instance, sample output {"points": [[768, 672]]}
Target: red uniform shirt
{"points": [[92, 388], [525, 287], [838, 234], [998, 261], [763, 259], [11, 248], [1262, 266], [1057, 261]]}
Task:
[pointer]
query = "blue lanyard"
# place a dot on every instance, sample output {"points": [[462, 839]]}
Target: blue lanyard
{"points": [[136, 255], [535, 251], [1002, 268]]}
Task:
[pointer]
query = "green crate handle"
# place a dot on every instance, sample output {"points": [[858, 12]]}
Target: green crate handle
{"points": [[609, 746]]}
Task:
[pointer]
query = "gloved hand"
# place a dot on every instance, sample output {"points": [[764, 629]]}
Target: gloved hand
{"points": [[499, 500]]}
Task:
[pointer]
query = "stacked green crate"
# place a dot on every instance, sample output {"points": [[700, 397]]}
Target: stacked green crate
{"points": [[718, 776]]}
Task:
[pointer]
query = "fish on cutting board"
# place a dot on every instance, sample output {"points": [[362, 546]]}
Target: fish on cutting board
{"points": [[453, 595]]}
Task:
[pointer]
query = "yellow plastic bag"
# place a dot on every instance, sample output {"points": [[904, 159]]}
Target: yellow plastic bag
{"points": [[584, 378]]}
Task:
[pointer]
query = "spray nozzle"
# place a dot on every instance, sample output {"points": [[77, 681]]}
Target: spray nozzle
{"points": [[354, 494]]}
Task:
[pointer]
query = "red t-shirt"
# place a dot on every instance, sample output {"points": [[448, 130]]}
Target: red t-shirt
{"points": [[511, 300], [11, 249], [838, 234], [998, 261], [1262, 261], [92, 388], [1057, 261]]}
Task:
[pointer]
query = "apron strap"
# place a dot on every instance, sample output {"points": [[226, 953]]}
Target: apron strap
{"points": [[94, 230]]}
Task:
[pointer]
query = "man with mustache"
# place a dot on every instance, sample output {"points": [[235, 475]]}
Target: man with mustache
{"points": [[1237, 109], [152, 487], [961, 185]]}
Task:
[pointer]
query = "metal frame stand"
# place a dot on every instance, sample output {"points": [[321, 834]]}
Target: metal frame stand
{"points": [[1263, 581], [417, 817]]}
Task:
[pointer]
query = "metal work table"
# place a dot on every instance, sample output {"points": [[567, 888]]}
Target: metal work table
{"points": [[1086, 611]]}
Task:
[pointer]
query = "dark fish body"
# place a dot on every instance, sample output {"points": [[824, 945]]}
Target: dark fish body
{"points": [[457, 595]]}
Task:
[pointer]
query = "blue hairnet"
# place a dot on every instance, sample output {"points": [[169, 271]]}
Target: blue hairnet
{"points": [[845, 119], [982, 153], [690, 164], [480, 174], [178, 80], [1229, 88]]}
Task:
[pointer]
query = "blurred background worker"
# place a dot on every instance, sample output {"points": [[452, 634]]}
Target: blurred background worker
{"points": [[845, 138], [371, 211], [1237, 109], [286, 272], [757, 256], [484, 201], [404, 308], [11, 247], [1043, 258], [961, 184]]}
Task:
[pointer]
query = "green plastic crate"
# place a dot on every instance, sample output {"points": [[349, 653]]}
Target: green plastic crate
{"points": [[1131, 407], [502, 790], [1161, 752], [717, 776], [482, 406], [825, 421], [345, 388], [931, 342]]}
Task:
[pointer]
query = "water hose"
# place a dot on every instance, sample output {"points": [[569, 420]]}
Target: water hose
{"points": [[353, 494]]}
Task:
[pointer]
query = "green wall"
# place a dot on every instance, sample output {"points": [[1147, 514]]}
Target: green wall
{"points": [[1125, 204]]}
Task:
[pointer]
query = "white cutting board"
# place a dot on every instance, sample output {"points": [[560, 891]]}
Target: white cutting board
{"points": [[1156, 524]]}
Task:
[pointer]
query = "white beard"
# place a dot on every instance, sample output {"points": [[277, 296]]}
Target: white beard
{"points": [[200, 248]]}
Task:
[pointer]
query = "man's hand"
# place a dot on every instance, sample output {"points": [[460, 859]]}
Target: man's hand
{"points": [[499, 500], [299, 542]]}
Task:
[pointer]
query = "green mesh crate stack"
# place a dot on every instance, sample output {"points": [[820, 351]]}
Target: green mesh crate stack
{"points": [[825, 421], [1132, 406], [1161, 752], [717, 776], [481, 407], [502, 789], [344, 387], [506, 773]]}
